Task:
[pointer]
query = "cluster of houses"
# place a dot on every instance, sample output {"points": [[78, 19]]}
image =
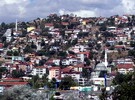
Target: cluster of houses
{"points": [[74, 44]]}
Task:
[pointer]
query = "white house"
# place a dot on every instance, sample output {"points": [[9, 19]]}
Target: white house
{"points": [[125, 68], [70, 61], [122, 38], [74, 75], [40, 71]]}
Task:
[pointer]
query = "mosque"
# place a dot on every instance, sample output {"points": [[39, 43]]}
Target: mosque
{"points": [[99, 75]]}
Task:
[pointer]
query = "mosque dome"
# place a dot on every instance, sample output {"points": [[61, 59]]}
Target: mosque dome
{"points": [[100, 66]]}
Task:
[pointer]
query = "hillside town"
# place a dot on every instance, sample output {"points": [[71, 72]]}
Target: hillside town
{"points": [[67, 52]]}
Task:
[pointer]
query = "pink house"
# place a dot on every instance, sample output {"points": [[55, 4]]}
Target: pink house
{"points": [[54, 72]]}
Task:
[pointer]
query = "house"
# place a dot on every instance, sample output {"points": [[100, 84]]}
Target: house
{"points": [[40, 71], [68, 31], [56, 61], [78, 67], [79, 48], [125, 68], [74, 75], [70, 61], [68, 71], [30, 28], [17, 58], [49, 25], [122, 37], [54, 72], [82, 81], [1, 48], [119, 47], [83, 55], [111, 29]]}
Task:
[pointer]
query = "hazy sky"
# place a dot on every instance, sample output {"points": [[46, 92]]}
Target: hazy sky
{"points": [[29, 9]]}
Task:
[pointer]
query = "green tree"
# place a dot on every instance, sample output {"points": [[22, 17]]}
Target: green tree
{"points": [[131, 53], [33, 46], [103, 95], [86, 72], [28, 49], [17, 73], [52, 83], [103, 28], [16, 53], [9, 53], [125, 88], [67, 82], [45, 79]]}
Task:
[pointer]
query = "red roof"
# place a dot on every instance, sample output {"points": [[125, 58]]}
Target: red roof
{"points": [[83, 52], [119, 46], [80, 65], [40, 67], [86, 53], [1, 45], [49, 24], [125, 66], [13, 83], [71, 72], [65, 23], [67, 69], [53, 68], [11, 79], [121, 35]]}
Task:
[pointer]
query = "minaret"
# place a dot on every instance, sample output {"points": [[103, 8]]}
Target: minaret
{"points": [[106, 62], [16, 26]]}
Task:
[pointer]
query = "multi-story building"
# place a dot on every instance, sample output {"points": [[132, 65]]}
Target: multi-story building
{"points": [[54, 72], [40, 71]]}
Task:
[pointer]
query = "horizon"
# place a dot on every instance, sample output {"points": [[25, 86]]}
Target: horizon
{"points": [[26, 10]]}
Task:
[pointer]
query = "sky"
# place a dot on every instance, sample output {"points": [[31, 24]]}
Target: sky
{"points": [[27, 10]]}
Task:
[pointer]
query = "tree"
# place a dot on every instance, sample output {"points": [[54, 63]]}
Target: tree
{"points": [[42, 62], [62, 54], [87, 61], [86, 72], [131, 53], [16, 53], [52, 83], [17, 73], [42, 43], [45, 79], [132, 44], [103, 28], [9, 53], [103, 95], [74, 42], [67, 82], [41, 52], [3, 39], [28, 49], [33, 46], [125, 87], [120, 43]]}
